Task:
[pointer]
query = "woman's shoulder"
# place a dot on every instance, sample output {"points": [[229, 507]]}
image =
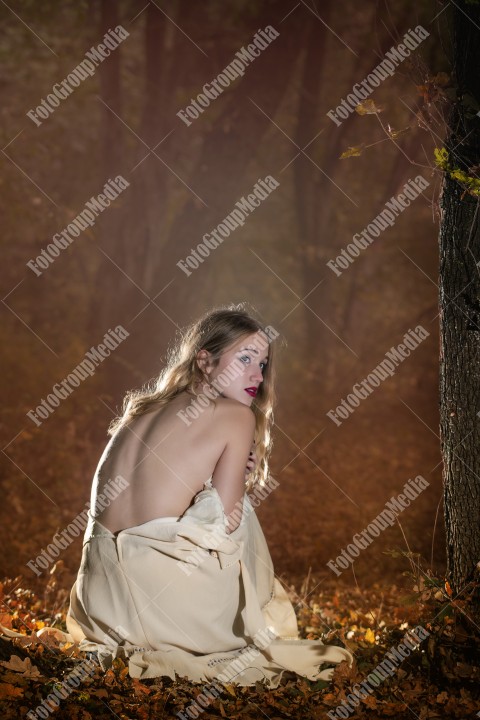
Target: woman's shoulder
{"points": [[234, 411], [233, 421], [219, 407], [185, 412], [221, 413]]}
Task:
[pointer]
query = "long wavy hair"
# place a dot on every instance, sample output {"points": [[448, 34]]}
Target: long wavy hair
{"points": [[215, 331]]}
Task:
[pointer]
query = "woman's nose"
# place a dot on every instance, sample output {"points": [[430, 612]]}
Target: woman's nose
{"points": [[257, 374]]}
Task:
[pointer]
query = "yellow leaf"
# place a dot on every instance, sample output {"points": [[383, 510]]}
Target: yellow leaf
{"points": [[352, 152], [370, 636], [441, 157], [368, 107]]}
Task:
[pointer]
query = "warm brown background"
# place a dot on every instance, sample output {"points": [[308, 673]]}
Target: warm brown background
{"points": [[333, 481]]}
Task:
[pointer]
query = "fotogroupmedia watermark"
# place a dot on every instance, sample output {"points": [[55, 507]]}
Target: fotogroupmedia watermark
{"points": [[236, 68], [84, 69], [262, 639], [384, 69], [61, 540], [387, 668], [386, 518], [243, 207], [80, 372], [386, 368], [233, 370], [86, 218], [386, 218]]}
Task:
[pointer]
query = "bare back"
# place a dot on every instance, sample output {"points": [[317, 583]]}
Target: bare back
{"points": [[166, 462]]}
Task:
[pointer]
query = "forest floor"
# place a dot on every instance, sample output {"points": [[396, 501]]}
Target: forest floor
{"points": [[306, 521], [438, 678]]}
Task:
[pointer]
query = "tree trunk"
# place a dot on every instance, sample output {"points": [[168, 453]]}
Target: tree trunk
{"points": [[460, 314], [306, 174], [110, 90]]}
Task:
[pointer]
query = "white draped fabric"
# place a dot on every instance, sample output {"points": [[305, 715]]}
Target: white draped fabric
{"points": [[182, 596]]}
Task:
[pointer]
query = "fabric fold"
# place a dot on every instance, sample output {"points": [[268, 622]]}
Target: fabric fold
{"points": [[182, 596]]}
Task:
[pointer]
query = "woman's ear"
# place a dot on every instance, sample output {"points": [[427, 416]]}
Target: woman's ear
{"points": [[203, 361]]}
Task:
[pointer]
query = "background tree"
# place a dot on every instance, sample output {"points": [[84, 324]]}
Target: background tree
{"points": [[460, 305]]}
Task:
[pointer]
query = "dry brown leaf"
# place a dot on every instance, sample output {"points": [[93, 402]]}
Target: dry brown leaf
{"points": [[5, 620], [393, 709], [343, 671], [330, 699], [9, 691], [53, 638], [139, 688], [370, 701], [24, 667]]}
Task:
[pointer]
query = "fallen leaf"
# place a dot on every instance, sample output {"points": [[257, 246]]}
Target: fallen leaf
{"points": [[139, 688], [5, 620], [9, 691], [50, 633], [24, 667], [370, 702]]}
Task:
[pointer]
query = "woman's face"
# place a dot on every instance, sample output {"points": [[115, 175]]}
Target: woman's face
{"points": [[240, 369]]}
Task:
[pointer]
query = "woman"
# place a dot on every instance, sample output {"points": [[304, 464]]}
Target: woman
{"points": [[175, 572]]}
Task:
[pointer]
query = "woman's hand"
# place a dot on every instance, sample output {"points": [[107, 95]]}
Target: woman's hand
{"points": [[252, 461]]}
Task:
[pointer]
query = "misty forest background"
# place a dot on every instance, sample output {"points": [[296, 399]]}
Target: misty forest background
{"points": [[333, 480]]}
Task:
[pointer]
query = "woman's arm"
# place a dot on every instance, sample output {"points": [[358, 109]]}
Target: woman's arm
{"points": [[238, 426]]}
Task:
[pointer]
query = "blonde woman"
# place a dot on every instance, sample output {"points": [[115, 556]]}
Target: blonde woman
{"points": [[176, 574]]}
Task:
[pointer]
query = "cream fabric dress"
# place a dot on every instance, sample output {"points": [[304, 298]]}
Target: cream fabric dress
{"points": [[182, 596]]}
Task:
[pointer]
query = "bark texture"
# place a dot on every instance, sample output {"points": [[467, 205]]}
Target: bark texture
{"points": [[459, 288]]}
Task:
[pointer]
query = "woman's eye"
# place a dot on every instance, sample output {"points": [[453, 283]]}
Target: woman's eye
{"points": [[247, 360]]}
